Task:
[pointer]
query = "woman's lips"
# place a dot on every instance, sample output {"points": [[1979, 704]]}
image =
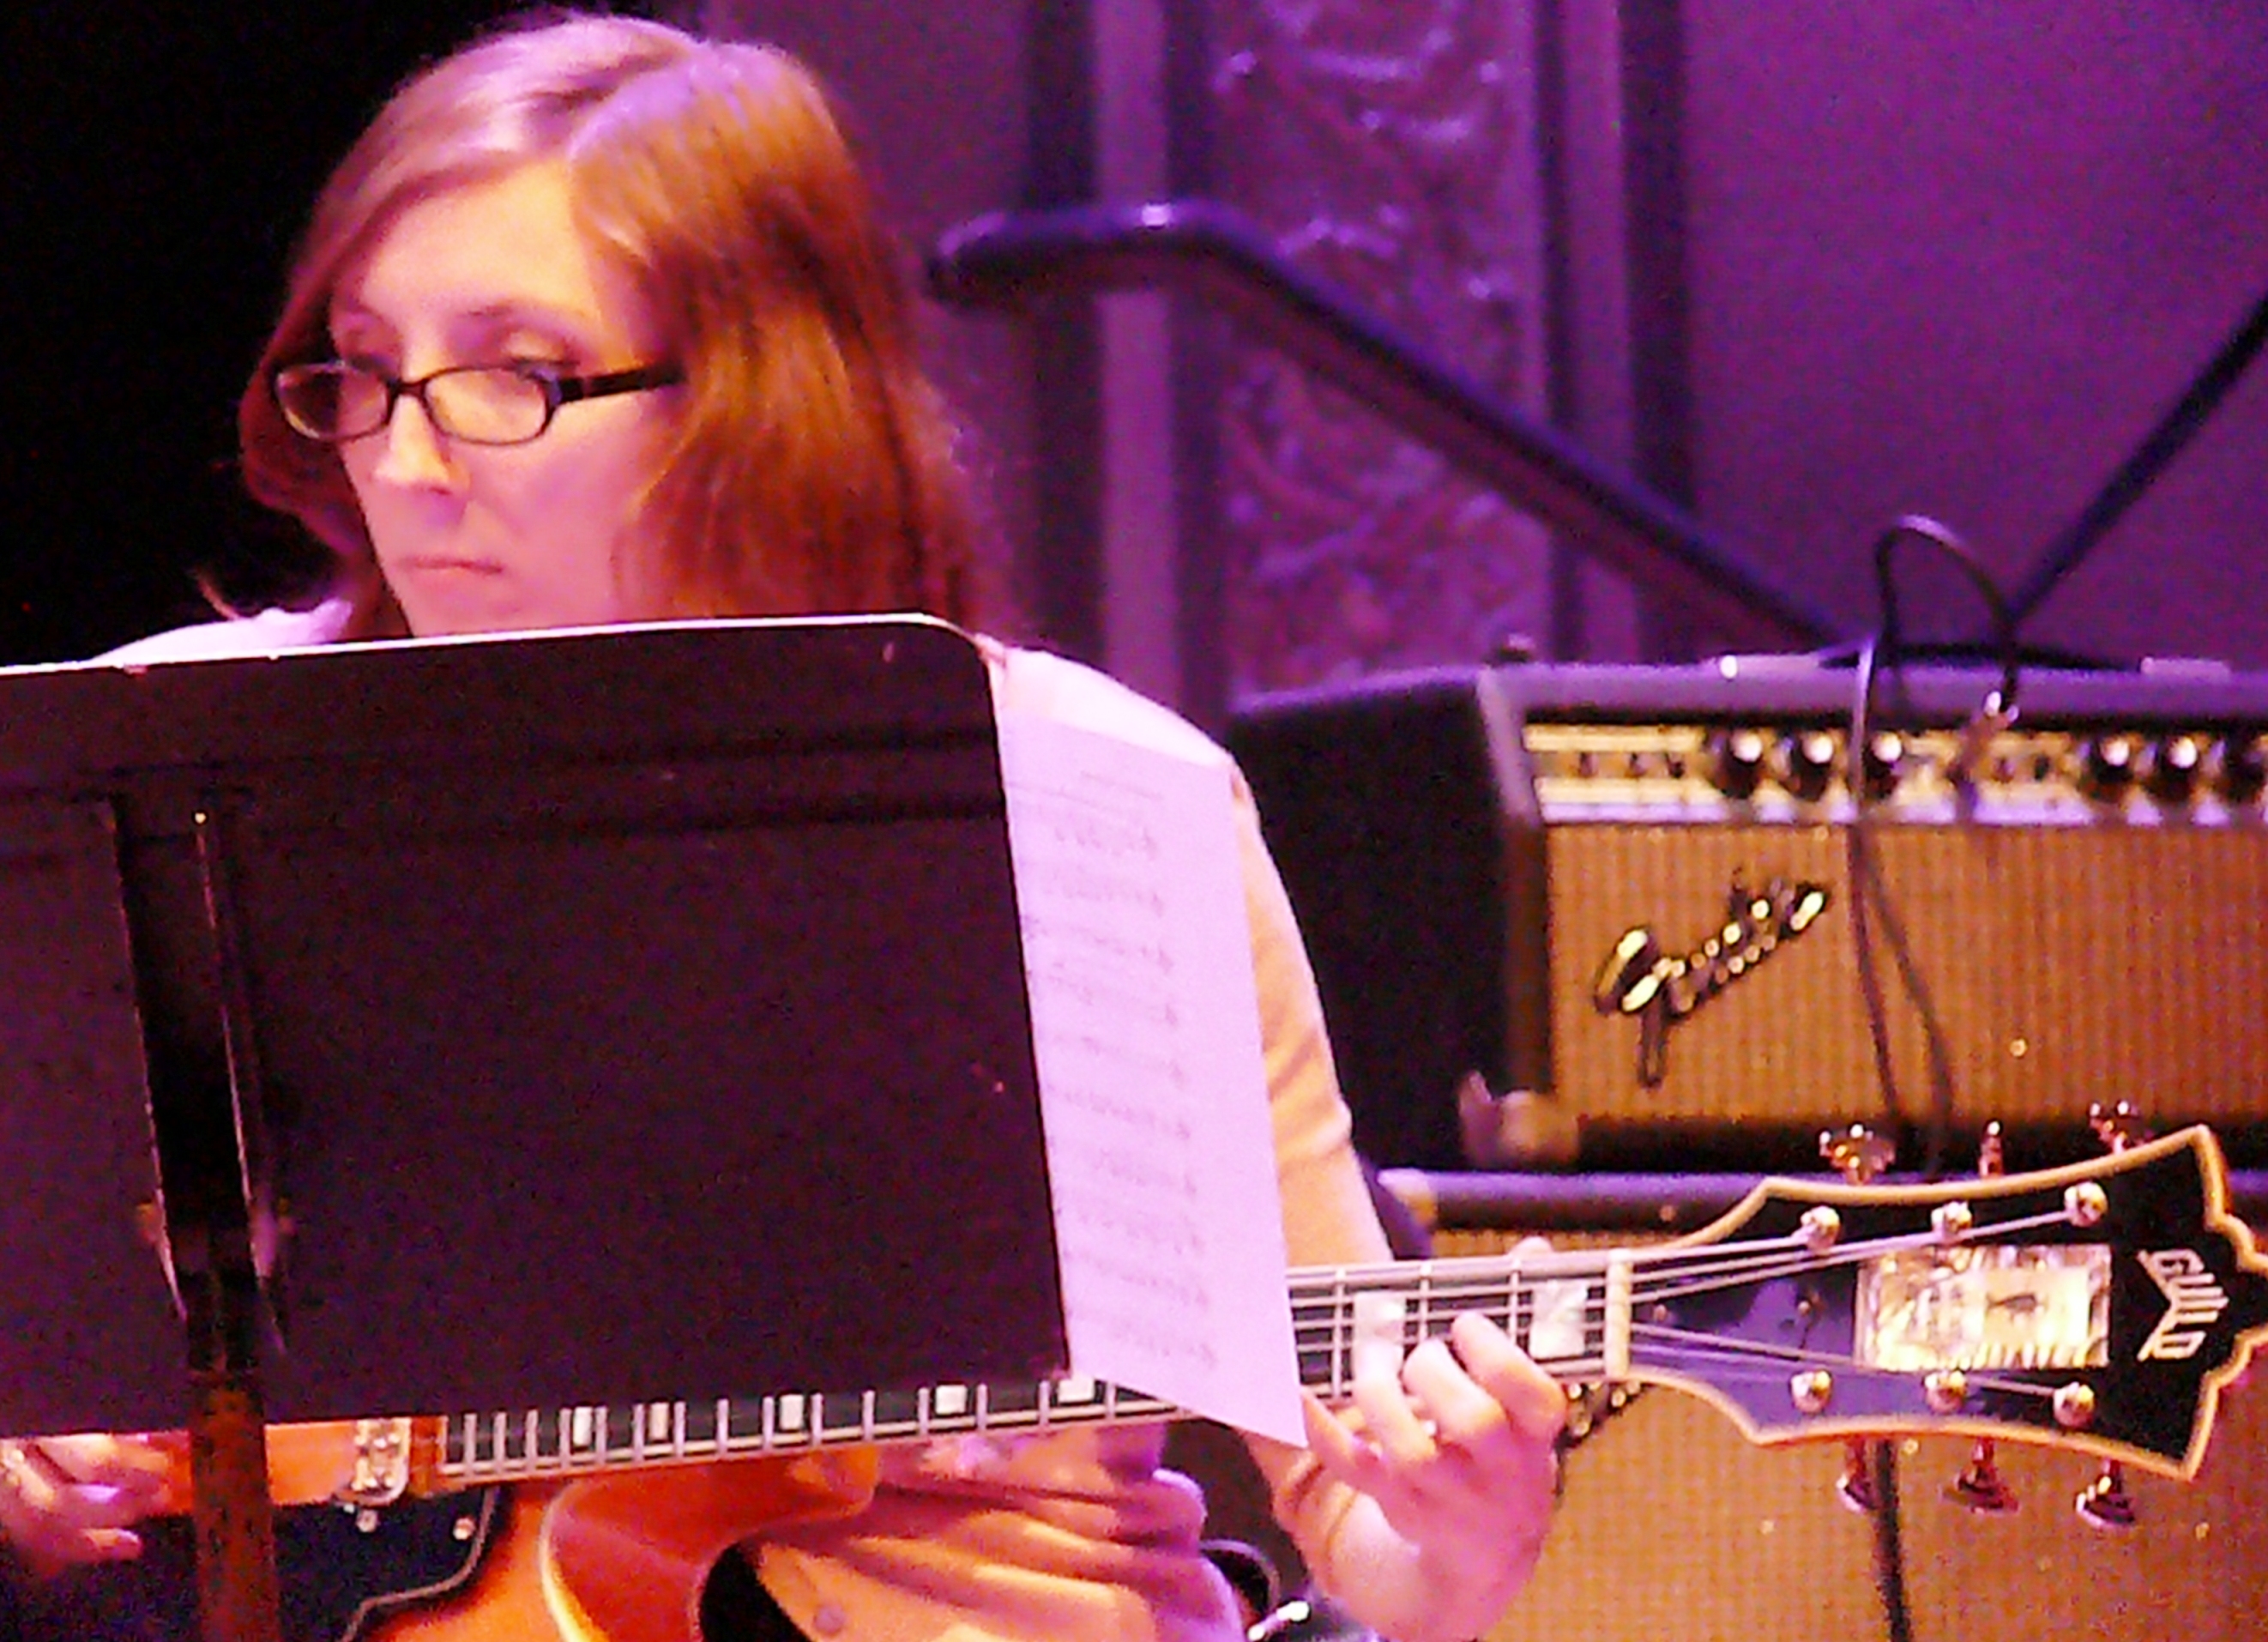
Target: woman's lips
{"points": [[448, 564]]}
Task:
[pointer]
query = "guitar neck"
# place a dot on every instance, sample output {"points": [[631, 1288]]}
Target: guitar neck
{"points": [[1571, 1310], [2100, 1306]]}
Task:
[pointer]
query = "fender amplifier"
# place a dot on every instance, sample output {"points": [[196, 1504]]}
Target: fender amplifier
{"points": [[1650, 916]]}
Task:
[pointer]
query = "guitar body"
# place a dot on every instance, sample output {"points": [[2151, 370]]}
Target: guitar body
{"points": [[618, 1557], [622, 1557]]}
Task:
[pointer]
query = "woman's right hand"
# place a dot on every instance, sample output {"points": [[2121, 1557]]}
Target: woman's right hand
{"points": [[75, 1500]]}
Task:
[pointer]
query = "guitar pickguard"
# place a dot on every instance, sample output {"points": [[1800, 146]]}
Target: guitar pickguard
{"points": [[338, 1577]]}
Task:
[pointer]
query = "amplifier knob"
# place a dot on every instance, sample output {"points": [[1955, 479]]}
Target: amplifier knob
{"points": [[1885, 752], [1736, 762], [2240, 772], [1807, 763], [2106, 768], [2171, 767]]}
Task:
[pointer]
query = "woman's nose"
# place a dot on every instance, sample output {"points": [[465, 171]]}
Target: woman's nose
{"points": [[415, 452]]}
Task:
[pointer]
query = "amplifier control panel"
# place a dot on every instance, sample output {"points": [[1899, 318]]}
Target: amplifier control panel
{"points": [[1761, 770]]}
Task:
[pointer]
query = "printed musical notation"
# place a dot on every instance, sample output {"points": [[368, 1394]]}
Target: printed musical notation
{"points": [[1146, 1031]]}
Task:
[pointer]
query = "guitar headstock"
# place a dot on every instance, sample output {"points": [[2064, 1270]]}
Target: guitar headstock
{"points": [[2100, 1307]]}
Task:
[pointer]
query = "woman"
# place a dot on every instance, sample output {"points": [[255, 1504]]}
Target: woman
{"points": [[596, 325]]}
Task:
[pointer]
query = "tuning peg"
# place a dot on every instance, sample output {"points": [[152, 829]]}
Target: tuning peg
{"points": [[1855, 1488], [1991, 1160], [1857, 1153], [1981, 1488], [2104, 1505], [2117, 1126]]}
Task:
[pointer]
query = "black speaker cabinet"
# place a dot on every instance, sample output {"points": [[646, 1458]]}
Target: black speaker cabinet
{"points": [[1669, 908]]}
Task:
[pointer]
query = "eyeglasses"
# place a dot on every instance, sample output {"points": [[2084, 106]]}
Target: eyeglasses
{"points": [[481, 404]]}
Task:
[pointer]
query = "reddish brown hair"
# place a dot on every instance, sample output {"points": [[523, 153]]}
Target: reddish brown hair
{"points": [[812, 468]]}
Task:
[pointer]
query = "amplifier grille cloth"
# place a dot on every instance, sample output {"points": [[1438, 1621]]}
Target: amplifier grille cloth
{"points": [[2065, 965]]}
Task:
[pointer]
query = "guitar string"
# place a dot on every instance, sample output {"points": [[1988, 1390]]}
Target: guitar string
{"points": [[1789, 1256], [1784, 1258], [1716, 1348]]}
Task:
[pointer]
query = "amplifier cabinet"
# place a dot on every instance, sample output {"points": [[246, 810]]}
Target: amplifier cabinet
{"points": [[1665, 909]]}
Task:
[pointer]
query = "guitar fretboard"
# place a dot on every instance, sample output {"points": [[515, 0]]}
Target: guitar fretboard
{"points": [[484, 1446], [1570, 1312]]}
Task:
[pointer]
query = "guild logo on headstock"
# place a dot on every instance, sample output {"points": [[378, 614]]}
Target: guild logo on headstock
{"points": [[2194, 1302], [1660, 988]]}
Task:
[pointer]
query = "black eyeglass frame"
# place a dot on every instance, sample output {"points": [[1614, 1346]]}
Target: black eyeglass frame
{"points": [[557, 390]]}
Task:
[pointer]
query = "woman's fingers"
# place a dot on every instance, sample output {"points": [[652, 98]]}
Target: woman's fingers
{"points": [[72, 1500]]}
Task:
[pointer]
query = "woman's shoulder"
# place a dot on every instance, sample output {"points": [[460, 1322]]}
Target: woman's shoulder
{"points": [[1053, 687], [235, 636]]}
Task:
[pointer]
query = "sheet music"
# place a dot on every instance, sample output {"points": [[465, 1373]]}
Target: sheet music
{"points": [[1146, 1033]]}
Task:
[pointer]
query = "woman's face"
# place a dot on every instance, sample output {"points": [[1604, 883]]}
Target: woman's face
{"points": [[477, 539]]}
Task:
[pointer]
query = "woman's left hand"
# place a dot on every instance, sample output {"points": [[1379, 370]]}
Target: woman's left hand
{"points": [[1456, 1446]]}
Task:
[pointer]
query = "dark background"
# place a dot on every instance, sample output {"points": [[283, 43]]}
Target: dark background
{"points": [[159, 163], [1917, 255]]}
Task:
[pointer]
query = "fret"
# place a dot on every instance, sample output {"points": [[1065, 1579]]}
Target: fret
{"points": [[1014, 1407], [583, 1434], [1320, 1358], [1615, 1346], [1067, 1397], [742, 1426], [896, 1414], [1377, 1341], [839, 1417], [1558, 1329], [944, 1409], [706, 1422], [657, 1431], [783, 1421], [1342, 1345]]}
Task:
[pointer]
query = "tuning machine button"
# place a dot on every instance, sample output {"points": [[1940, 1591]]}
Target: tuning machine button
{"points": [[1855, 1487], [1857, 1153], [1811, 1390], [2073, 1405], [2118, 1126], [2104, 1505], [1945, 1390], [1980, 1487], [1736, 762], [1820, 1229]]}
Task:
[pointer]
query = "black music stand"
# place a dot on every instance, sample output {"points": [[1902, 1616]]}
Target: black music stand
{"points": [[606, 1016]]}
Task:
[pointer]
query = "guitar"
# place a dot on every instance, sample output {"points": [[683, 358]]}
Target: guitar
{"points": [[2101, 1307]]}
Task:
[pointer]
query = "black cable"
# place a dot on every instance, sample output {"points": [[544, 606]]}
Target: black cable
{"points": [[1870, 900], [1918, 527], [1870, 897], [1863, 879], [1889, 1548]]}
